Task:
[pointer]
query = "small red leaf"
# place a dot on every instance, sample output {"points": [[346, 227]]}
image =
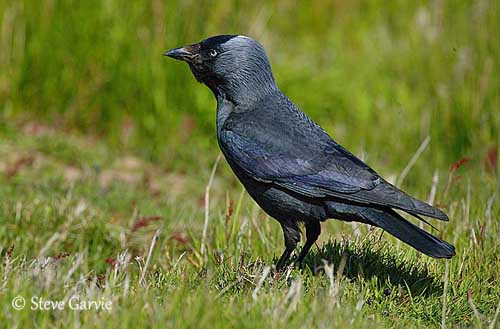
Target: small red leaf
{"points": [[111, 261], [491, 160], [180, 237], [21, 162], [10, 251], [201, 201], [440, 205], [61, 256], [458, 164], [230, 211], [145, 221]]}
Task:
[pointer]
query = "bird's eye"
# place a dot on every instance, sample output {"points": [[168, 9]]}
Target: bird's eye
{"points": [[213, 53]]}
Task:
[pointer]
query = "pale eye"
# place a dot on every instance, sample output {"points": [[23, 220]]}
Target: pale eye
{"points": [[213, 53]]}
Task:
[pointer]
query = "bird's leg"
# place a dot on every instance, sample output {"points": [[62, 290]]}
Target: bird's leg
{"points": [[313, 230], [280, 265], [292, 237]]}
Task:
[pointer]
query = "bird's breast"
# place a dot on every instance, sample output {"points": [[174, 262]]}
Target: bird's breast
{"points": [[224, 109]]}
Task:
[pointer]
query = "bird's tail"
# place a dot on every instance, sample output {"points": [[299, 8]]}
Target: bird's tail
{"points": [[395, 224], [392, 222]]}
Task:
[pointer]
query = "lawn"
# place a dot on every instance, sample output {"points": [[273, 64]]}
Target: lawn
{"points": [[117, 209]]}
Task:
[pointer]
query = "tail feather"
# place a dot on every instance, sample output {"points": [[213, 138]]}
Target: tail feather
{"points": [[396, 225], [386, 194], [396, 198], [392, 222]]}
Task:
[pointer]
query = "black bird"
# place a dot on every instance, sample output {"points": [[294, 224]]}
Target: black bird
{"points": [[289, 165]]}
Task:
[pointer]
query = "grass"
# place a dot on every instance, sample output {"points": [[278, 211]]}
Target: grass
{"points": [[84, 226], [357, 67], [107, 147]]}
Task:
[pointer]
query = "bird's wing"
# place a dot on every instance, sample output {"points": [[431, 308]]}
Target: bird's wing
{"points": [[315, 175], [296, 154]]}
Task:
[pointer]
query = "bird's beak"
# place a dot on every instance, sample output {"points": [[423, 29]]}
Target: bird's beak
{"points": [[181, 53]]}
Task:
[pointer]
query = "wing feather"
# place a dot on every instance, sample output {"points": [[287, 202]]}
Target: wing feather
{"points": [[288, 149]]}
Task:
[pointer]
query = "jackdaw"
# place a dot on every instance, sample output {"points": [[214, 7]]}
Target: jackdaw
{"points": [[288, 164]]}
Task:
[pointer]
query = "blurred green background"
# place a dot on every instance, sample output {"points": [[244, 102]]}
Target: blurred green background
{"points": [[379, 76], [104, 141]]}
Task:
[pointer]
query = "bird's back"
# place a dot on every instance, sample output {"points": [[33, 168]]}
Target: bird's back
{"points": [[277, 127]]}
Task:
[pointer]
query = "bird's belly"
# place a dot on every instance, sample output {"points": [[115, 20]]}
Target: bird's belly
{"points": [[284, 207], [281, 204]]}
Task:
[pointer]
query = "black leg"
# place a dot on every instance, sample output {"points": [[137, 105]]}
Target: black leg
{"points": [[292, 237], [280, 265], [313, 230]]}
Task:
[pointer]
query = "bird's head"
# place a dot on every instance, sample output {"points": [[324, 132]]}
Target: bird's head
{"points": [[232, 66]]}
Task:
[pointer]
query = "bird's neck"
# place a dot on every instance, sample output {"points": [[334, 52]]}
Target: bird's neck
{"points": [[224, 109], [244, 92]]}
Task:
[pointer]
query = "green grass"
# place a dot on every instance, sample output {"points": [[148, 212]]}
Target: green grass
{"points": [[103, 142], [357, 67], [83, 226]]}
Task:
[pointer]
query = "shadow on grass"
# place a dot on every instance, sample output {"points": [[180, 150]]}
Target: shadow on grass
{"points": [[366, 261]]}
